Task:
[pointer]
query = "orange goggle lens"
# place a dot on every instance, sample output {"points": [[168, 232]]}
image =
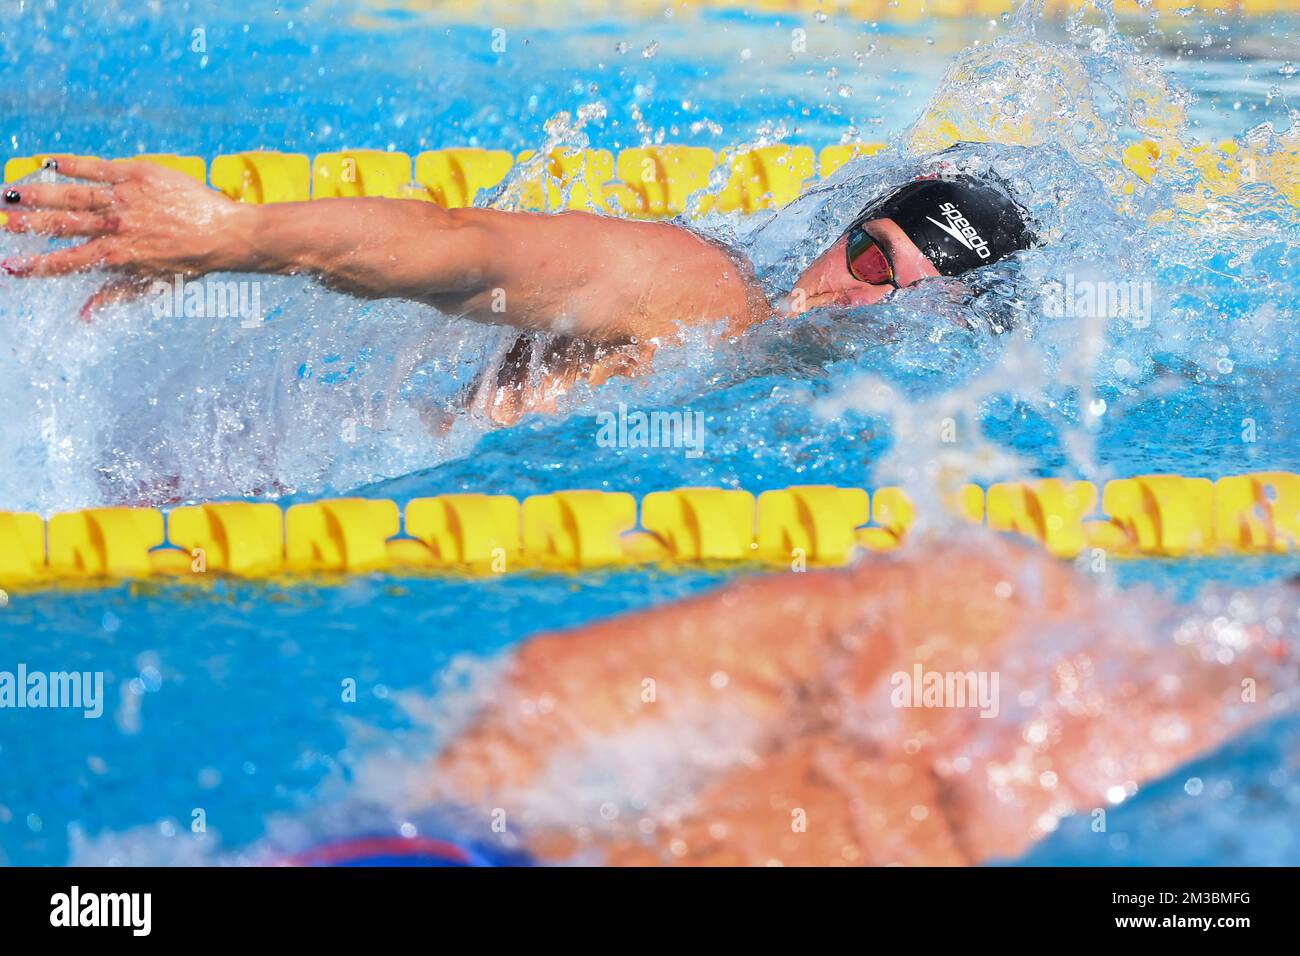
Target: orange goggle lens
{"points": [[868, 261]]}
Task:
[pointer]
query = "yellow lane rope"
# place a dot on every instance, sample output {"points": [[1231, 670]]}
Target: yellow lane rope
{"points": [[647, 182], [1145, 516]]}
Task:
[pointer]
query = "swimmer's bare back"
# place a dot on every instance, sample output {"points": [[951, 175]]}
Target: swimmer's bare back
{"points": [[595, 278], [757, 722]]}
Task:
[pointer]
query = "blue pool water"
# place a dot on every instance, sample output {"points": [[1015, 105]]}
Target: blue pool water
{"points": [[227, 698]]}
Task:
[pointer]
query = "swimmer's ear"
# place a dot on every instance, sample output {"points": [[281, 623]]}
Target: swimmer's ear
{"points": [[114, 292]]}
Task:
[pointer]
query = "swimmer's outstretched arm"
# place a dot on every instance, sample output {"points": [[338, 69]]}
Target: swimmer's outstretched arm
{"points": [[585, 275]]}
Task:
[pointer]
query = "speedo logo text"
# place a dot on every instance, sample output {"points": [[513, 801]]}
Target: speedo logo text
{"points": [[960, 228]]}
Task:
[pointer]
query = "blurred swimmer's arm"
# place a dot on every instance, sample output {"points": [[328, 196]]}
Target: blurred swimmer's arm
{"points": [[799, 671], [580, 274], [747, 691], [736, 658], [1141, 699], [752, 647]]}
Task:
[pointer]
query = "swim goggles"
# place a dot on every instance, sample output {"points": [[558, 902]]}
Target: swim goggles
{"points": [[867, 259]]}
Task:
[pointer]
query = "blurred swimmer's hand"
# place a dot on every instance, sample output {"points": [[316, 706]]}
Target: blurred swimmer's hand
{"points": [[787, 718], [142, 221]]}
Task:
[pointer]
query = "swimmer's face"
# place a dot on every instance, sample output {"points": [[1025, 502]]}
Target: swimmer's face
{"points": [[828, 280]]}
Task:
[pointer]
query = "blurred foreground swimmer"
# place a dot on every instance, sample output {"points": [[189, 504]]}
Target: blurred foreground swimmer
{"points": [[778, 720]]}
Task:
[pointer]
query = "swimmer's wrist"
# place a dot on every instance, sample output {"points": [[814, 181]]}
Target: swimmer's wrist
{"points": [[235, 240], [278, 238]]}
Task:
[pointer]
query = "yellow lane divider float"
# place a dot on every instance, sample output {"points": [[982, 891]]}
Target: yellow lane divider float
{"points": [[645, 182], [1151, 515]]}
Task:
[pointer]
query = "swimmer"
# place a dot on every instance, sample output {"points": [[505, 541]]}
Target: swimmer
{"points": [[603, 290], [768, 721]]}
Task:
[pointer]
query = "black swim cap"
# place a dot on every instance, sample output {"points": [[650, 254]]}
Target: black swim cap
{"points": [[958, 222]]}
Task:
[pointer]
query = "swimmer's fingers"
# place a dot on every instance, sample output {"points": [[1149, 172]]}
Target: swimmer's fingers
{"points": [[95, 254], [61, 224], [97, 170], [114, 292], [59, 196]]}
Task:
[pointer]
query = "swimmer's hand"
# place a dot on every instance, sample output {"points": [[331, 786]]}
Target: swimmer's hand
{"points": [[142, 222]]}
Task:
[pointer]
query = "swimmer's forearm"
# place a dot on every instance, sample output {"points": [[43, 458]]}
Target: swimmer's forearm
{"points": [[373, 248]]}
